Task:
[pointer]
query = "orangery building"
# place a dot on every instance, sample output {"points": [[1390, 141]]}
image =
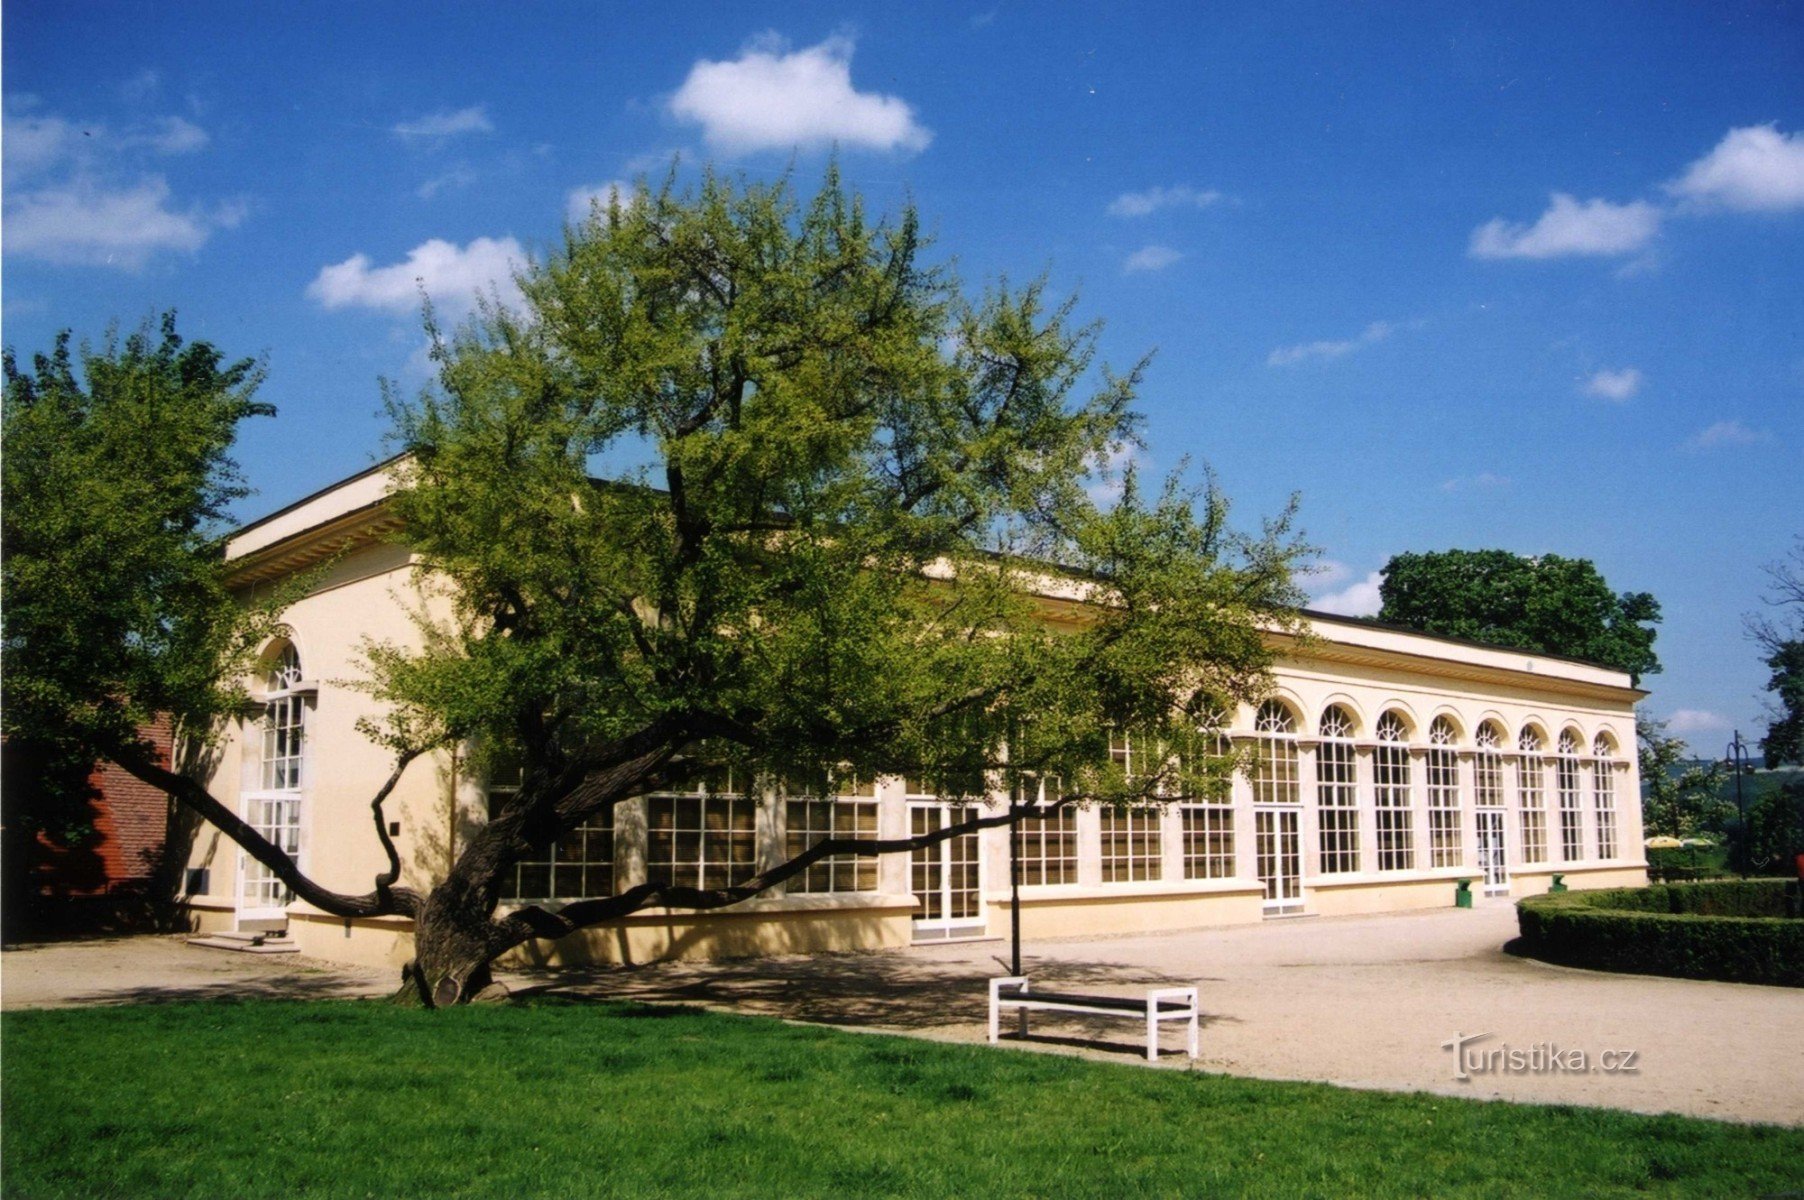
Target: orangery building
{"points": [[1392, 770]]}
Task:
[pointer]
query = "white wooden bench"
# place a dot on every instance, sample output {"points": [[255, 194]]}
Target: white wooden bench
{"points": [[1160, 1005]]}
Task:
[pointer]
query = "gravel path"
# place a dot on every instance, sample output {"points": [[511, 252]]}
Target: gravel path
{"points": [[1358, 1001]]}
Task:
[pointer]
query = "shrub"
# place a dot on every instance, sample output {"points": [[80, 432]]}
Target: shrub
{"points": [[1733, 930]]}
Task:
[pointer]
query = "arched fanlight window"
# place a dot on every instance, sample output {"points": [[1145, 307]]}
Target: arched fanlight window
{"points": [[1337, 792], [1391, 786], [1443, 794], [1275, 770], [1603, 794], [1531, 771], [284, 672]]}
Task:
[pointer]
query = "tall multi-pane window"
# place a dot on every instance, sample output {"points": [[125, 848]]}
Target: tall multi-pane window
{"points": [[1391, 786], [272, 802], [1130, 844], [576, 866], [1337, 792], [1487, 766], [850, 813], [1047, 845], [1275, 755], [1442, 765], [706, 837], [1531, 794], [284, 725], [1572, 811], [1603, 785]]}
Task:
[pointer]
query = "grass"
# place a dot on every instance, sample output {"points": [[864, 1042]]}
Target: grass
{"points": [[360, 1098]]}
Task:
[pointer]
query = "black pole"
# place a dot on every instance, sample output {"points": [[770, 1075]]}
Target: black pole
{"points": [[1014, 883], [1738, 753]]}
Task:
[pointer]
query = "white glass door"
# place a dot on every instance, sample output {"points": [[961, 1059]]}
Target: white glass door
{"points": [[1278, 849], [262, 896], [1491, 855], [947, 877]]}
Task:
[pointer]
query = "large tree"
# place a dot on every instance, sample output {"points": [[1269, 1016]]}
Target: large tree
{"points": [[1543, 603], [116, 485], [861, 539], [1681, 796], [1780, 637]]}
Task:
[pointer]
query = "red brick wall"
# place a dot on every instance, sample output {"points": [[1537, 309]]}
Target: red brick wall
{"points": [[130, 818]]}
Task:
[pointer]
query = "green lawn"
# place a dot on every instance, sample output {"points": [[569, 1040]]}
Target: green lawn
{"points": [[362, 1099]]}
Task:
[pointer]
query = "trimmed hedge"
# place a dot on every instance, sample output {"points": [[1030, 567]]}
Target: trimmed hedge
{"points": [[1733, 930]]}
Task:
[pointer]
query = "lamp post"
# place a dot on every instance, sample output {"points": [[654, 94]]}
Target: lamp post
{"points": [[1738, 762]]}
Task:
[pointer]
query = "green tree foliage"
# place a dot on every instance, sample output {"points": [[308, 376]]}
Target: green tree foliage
{"points": [[1775, 830], [1547, 604], [1781, 638], [1680, 797], [856, 541], [116, 484]]}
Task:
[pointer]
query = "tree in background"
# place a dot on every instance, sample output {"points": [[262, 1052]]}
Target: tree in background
{"points": [[1680, 797], [1781, 638], [1547, 604], [116, 484], [864, 494]]}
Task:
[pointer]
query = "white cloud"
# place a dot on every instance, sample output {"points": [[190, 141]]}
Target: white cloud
{"points": [[451, 275], [1727, 433], [459, 176], [1695, 720], [86, 224], [1617, 386], [578, 202], [474, 119], [1140, 204], [1568, 227], [1484, 481], [1359, 599], [1326, 573], [174, 135], [1150, 258], [1374, 333], [771, 98], [1755, 169], [77, 192]]}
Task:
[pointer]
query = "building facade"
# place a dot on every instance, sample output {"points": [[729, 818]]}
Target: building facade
{"points": [[1387, 767]]}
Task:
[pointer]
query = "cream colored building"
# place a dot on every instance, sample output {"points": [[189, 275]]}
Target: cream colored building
{"points": [[1391, 766]]}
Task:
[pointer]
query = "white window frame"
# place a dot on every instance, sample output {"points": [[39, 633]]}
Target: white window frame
{"points": [[1392, 782]]}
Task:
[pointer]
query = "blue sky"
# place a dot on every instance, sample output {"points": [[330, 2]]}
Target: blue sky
{"points": [[1527, 278]]}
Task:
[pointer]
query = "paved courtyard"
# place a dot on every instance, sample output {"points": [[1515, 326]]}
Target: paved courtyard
{"points": [[1360, 1001]]}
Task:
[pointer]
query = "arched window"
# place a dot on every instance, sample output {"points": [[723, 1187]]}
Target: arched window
{"points": [[1487, 766], [1391, 786], [1603, 785], [1275, 770], [1443, 794], [284, 724], [1572, 813], [1531, 792], [1337, 792]]}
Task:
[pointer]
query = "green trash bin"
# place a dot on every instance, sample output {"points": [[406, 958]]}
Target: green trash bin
{"points": [[1462, 894], [1558, 885]]}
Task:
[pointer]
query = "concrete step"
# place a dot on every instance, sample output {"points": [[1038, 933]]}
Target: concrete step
{"points": [[243, 944]]}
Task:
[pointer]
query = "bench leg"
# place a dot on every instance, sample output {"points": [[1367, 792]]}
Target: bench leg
{"points": [[1152, 1033], [995, 1019], [1193, 1025]]}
